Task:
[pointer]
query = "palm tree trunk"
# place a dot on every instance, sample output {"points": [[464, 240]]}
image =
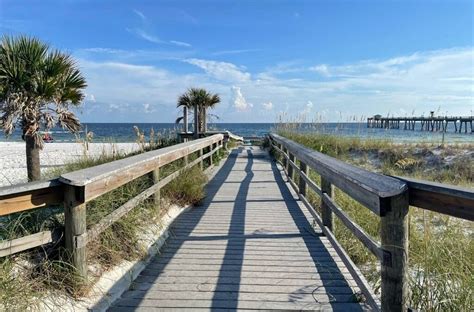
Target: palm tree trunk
{"points": [[204, 120], [185, 119], [32, 159], [196, 122]]}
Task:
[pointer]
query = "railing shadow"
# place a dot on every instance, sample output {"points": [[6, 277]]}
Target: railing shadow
{"points": [[328, 272], [226, 287], [198, 212]]}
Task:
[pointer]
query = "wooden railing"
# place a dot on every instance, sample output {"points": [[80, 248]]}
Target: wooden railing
{"points": [[387, 197], [73, 191]]}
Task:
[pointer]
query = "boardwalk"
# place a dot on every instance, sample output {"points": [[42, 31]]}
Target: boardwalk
{"points": [[250, 246]]}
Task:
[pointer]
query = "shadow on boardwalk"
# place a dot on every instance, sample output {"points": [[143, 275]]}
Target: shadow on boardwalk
{"points": [[250, 246]]}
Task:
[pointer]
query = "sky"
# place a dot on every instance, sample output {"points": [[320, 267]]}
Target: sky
{"points": [[268, 60]]}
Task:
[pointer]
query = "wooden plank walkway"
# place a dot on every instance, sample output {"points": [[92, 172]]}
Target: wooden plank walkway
{"points": [[250, 246]]}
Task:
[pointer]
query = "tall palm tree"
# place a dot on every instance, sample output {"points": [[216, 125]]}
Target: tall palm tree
{"points": [[38, 86], [201, 100]]}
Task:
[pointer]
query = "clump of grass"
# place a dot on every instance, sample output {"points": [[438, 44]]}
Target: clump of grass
{"points": [[47, 269], [14, 295], [441, 248], [188, 188]]}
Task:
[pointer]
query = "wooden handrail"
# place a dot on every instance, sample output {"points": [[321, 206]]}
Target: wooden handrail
{"points": [[101, 179], [75, 189], [370, 189], [389, 197], [27, 196], [446, 199]]}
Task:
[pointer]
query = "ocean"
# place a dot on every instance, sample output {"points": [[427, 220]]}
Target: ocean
{"points": [[123, 132]]}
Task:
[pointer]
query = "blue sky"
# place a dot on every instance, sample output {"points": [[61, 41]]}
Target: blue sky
{"points": [[304, 60]]}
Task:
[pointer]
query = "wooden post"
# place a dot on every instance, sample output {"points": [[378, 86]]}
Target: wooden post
{"points": [[302, 184], [201, 163], [326, 213], [74, 227], [211, 147], [155, 177], [285, 163], [290, 167], [394, 240]]}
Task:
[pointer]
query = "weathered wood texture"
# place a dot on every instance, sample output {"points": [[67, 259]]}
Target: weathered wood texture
{"points": [[393, 250], [28, 196], [24, 243], [118, 213], [368, 188], [251, 245], [361, 235], [447, 199], [75, 227], [326, 213], [394, 240], [104, 178]]}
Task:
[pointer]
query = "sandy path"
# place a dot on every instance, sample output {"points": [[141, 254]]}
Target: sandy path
{"points": [[13, 159]]}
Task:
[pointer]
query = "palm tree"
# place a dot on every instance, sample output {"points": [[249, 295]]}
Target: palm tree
{"points": [[201, 100], [38, 85]]}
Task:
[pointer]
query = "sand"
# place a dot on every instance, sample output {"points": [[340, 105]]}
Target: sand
{"points": [[13, 158]]}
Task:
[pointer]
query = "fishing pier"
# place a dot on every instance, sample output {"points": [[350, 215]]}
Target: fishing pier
{"points": [[432, 123], [263, 238]]}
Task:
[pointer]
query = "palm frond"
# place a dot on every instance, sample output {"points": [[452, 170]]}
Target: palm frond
{"points": [[32, 78]]}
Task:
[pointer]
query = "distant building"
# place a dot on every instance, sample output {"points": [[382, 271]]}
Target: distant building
{"points": [[377, 116]]}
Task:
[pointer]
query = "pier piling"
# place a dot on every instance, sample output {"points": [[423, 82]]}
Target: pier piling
{"points": [[432, 123]]}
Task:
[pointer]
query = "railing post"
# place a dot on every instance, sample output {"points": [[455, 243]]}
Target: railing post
{"points": [[75, 227], [302, 184], [290, 167], [326, 213], [394, 239], [285, 163], [211, 148], [155, 177], [201, 163]]}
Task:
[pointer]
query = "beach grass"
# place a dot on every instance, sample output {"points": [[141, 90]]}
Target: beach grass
{"points": [[441, 248], [27, 277]]}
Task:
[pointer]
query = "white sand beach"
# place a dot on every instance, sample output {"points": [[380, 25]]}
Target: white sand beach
{"points": [[13, 158]]}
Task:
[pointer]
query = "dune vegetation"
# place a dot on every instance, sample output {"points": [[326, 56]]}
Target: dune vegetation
{"points": [[441, 248], [25, 278]]}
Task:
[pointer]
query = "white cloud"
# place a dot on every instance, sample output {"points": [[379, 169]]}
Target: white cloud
{"points": [[321, 69], [238, 101], [181, 43], [267, 106], [422, 82], [226, 52], [145, 35], [220, 70], [92, 98], [140, 14]]}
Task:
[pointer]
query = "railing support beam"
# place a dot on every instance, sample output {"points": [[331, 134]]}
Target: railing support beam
{"points": [[74, 227], [302, 182], [394, 239], [201, 163], [326, 212], [290, 167], [155, 177]]}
